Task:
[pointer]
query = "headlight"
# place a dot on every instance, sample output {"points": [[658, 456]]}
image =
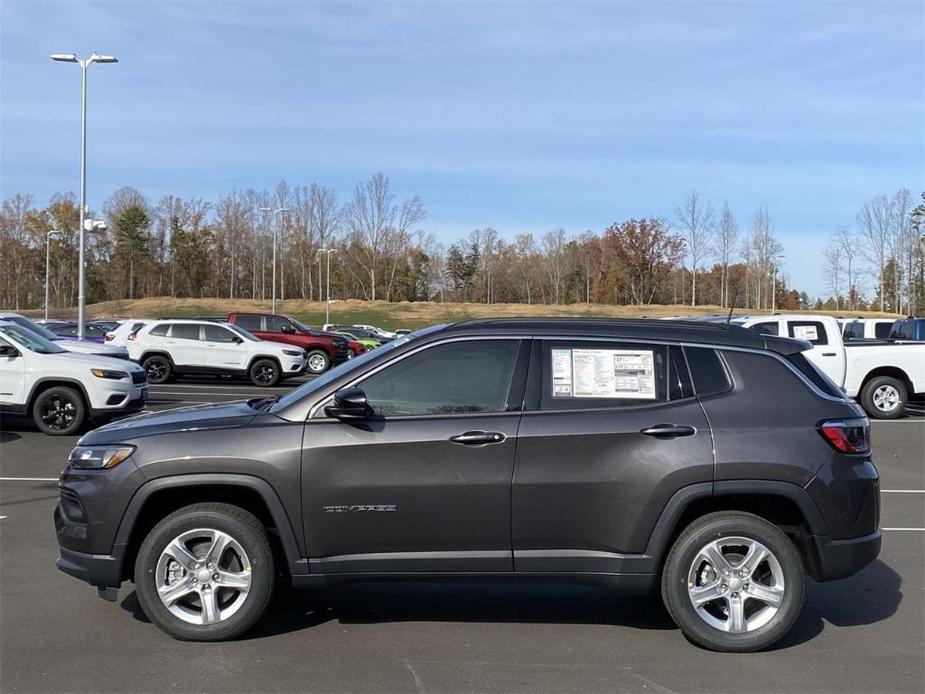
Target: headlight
{"points": [[293, 352], [98, 457], [106, 373]]}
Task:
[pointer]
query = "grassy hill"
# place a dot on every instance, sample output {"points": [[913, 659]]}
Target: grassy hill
{"points": [[387, 315]]}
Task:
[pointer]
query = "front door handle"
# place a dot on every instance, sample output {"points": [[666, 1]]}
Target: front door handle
{"points": [[828, 354], [669, 431], [478, 438]]}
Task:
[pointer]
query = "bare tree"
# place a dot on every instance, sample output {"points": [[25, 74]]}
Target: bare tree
{"points": [[834, 264], [846, 246], [874, 219], [697, 223], [727, 235], [554, 249]]}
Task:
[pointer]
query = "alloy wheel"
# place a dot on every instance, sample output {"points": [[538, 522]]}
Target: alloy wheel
{"points": [[736, 584], [203, 576], [58, 412], [316, 363], [886, 398]]}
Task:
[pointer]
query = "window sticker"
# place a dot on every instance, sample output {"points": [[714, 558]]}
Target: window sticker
{"points": [[603, 373], [562, 373], [805, 332]]}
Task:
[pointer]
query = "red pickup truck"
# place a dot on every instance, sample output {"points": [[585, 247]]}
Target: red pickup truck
{"points": [[323, 350]]}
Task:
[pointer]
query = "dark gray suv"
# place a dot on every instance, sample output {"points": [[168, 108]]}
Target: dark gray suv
{"points": [[707, 460]]}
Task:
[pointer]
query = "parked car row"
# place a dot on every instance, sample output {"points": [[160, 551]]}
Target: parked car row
{"points": [[905, 329]]}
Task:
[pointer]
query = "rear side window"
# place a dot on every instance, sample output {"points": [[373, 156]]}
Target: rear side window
{"points": [[248, 322], [819, 379], [856, 329], [811, 330], [594, 375], [707, 370], [882, 330], [160, 330], [185, 331]]}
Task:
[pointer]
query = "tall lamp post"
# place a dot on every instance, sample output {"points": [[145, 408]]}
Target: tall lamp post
{"points": [[48, 265], [327, 303], [84, 63], [277, 211]]}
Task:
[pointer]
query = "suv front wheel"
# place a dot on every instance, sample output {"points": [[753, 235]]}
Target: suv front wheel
{"points": [[733, 582], [205, 572]]}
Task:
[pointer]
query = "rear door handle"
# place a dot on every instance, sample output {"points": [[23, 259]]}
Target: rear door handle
{"points": [[478, 438], [669, 431]]}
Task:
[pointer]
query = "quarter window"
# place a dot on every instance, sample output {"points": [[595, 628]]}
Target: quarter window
{"points": [[160, 330], [589, 375], [707, 371], [766, 328], [454, 378]]}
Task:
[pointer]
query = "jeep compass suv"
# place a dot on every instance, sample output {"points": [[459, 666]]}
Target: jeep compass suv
{"points": [[711, 462]]}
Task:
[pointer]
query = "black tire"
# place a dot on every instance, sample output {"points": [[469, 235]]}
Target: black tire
{"points": [[59, 411], [317, 361], [158, 368], [264, 373], [685, 554], [888, 392], [250, 535]]}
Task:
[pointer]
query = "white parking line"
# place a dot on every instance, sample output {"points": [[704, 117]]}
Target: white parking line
{"points": [[28, 479], [2, 517], [902, 491], [921, 530]]}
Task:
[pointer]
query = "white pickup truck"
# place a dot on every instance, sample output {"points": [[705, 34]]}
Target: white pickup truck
{"points": [[61, 390], [880, 375]]}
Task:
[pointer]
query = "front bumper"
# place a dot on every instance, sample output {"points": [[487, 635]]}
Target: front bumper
{"points": [[843, 558], [100, 570]]}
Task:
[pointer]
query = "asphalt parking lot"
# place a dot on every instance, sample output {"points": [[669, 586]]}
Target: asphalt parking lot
{"points": [[863, 634]]}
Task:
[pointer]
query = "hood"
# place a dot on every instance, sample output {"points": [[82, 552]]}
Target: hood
{"points": [[93, 361], [195, 418], [103, 350]]}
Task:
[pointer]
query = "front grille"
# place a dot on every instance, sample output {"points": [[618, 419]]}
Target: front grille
{"points": [[139, 378]]}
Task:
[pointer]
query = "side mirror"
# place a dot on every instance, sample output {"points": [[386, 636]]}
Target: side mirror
{"points": [[237, 340], [349, 405], [287, 328], [11, 352]]}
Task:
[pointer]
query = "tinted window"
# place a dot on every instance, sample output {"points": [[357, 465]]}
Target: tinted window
{"points": [[274, 324], [216, 333], [707, 370], [585, 375], [882, 330], [248, 322], [810, 330], [65, 330], [159, 330], [808, 369], [679, 379], [855, 329], [185, 331], [767, 328], [455, 378]]}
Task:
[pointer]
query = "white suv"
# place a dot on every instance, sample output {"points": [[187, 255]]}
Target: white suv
{"points": [[61, 390], [167, 348]]}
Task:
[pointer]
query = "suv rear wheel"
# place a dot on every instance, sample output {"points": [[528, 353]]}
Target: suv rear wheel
{"points": [[205, 572], [318, 361], [158, 368], [733, 582], [59, 411]]}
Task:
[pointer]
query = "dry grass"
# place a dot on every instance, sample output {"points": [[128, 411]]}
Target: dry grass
{"points": [[389, 315]]}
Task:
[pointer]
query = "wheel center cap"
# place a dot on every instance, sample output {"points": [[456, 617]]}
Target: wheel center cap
{"points": [[203, 575], [735, 584]]}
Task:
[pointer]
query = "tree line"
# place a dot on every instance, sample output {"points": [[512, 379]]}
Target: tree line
{"points": [[190, 247]]}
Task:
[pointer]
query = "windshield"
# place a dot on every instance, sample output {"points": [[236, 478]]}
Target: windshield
{"points": [[29, 340], [34, 327], [240, 331], [346, 367]]}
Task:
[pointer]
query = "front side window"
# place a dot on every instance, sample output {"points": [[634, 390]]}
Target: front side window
{"points": [[585, 375], [810, 330], [65, 330], [275, 324], [185, 331], [216, 333], [455, 378], [766, 328]]}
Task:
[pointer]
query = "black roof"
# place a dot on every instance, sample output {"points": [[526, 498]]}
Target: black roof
{"points": [[718, 334]]}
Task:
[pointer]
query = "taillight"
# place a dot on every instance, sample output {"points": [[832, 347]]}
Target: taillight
{"points": [[847, 435], [108, 337], [132, 337]]}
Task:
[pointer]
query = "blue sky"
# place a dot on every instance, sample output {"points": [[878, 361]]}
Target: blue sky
{"points": [[521, 116]]}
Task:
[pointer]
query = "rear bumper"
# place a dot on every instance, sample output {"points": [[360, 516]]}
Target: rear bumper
{"points": [[843, 558]]}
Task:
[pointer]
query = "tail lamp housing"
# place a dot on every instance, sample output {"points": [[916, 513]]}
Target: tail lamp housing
{"points": [[851, 436]]}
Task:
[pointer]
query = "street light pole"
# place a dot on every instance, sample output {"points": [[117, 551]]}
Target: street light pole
{"points": [[327, 303], [48, 236], [84, 63], [275, 212]]}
